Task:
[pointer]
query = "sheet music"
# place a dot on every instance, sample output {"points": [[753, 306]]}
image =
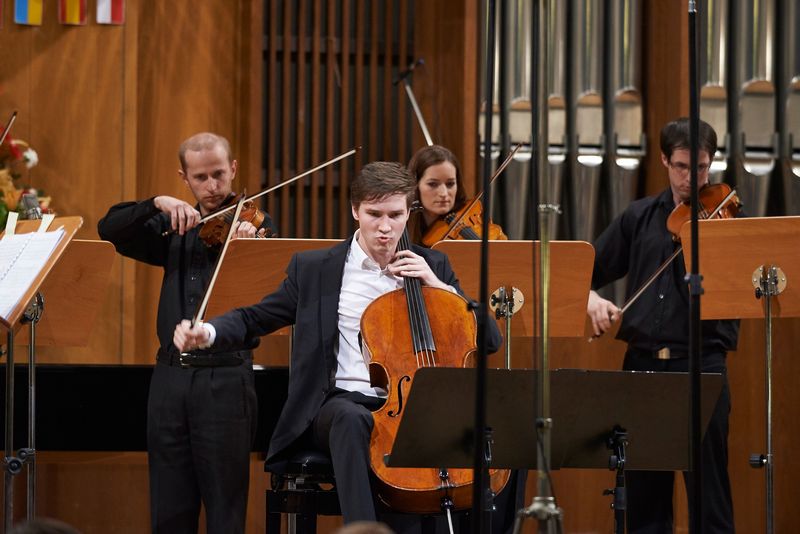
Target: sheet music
{"points": [[22, 258]]}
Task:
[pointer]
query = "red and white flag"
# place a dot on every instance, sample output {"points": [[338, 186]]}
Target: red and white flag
{"points": [[110, 11]]}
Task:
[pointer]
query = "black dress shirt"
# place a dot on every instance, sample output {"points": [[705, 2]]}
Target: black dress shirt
{"points": [[635, 244], [135, 229]]}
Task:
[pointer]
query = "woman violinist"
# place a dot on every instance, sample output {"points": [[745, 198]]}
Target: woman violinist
{"points": [[441, 194]]}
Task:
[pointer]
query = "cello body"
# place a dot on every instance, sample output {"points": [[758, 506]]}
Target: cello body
{"points": [[387, 329]]}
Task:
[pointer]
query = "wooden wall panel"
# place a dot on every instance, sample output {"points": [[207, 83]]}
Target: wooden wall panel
{"points": [[666, 79], [66, 83], [188, 67], [447, 37]]}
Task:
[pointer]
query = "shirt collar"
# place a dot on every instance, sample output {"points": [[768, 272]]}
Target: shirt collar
{"points": [[359, 257]]}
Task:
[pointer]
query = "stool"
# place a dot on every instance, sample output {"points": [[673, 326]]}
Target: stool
{"points": [[299, 492]]}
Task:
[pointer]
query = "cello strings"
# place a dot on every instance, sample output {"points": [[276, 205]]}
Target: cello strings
{"points": [[418, 319]]}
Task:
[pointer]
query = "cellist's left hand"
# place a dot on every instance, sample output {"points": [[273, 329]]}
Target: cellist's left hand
{"points": [[407, 263]]}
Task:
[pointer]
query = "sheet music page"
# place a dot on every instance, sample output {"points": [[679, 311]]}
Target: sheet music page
{"points": [[22, 258]]}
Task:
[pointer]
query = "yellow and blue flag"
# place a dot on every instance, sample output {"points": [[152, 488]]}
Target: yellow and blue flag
{"points": [[28, 12]]}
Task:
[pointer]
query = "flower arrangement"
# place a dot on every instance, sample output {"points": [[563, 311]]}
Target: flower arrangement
{"points": [[16, 156]]}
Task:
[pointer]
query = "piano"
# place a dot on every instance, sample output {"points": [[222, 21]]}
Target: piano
{"points": [[104, 407]]}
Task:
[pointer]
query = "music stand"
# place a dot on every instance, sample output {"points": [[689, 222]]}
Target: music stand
{"points": [[27, 309], [566, 308], [589, 410], [75, 290], [572, 260], [756, 285], [587, 405], [254, 268]]}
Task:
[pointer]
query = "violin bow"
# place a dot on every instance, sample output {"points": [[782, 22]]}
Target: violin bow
{"points": [[638, 293], [201, 310], [284, 183], [7, 129], [478, 197]]}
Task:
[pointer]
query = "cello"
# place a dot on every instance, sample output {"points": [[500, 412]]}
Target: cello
{"points": [[401, 337]]}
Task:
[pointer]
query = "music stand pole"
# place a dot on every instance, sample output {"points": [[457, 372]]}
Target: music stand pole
{"points": [[11, 464], [770, 282], [28, 455]]}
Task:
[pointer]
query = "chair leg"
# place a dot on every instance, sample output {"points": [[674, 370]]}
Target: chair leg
{"points": [[273, 523], [305, 523]]}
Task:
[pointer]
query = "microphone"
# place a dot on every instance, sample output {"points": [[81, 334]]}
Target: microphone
{"points": [[30, 206], [404, 74]]}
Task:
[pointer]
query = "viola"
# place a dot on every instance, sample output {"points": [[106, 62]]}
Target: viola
{"points": [[216, 227], [714, 202], [466, 223], [401, 337]]}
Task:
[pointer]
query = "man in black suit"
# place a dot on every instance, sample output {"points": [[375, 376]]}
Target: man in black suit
{"points": [[201, 414], [324, 294]]}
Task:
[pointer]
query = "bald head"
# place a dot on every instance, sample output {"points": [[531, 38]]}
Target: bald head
{"points": [[203, 141]]}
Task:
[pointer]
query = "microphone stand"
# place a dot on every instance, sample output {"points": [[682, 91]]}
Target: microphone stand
{"points": [[543, 508], [403, 77], [481, 490], [695, 287]]}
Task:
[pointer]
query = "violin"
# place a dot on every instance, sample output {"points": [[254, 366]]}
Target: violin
{"points": [[401, 337], [717, 201], [466, 223], [217, 226], [219, 229], [714, 203]]}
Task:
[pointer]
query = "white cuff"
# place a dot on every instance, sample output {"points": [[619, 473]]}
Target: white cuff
{"points": [[212, 335]]}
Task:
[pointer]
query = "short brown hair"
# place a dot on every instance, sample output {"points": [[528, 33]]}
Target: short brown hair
{"points": [[381, 179], [202, 141], [675, 136]]}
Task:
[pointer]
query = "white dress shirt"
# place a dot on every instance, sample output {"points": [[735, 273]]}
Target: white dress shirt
{"points": [[363, 281]]}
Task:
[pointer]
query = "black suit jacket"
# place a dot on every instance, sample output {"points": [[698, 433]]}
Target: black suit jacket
{"points": [[309, 299]]}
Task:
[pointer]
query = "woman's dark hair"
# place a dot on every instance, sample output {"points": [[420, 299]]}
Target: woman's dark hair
{"points": [[421, 161]]}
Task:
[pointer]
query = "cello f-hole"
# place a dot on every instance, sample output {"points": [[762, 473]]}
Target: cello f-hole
{"points": [[392, 413]]}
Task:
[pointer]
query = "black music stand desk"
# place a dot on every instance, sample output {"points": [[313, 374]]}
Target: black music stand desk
{"points": [[437, 428]]}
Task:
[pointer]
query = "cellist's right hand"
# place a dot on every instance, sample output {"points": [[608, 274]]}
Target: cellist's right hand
{"points": [[602, 312], [182, 215]]}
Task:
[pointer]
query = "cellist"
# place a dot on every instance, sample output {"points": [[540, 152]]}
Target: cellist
{"points": [[324, 294], [441, 194]]}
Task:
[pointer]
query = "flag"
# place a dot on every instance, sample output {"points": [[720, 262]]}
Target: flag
{"points": [[72, 12], [110, 11], [28, 12]]}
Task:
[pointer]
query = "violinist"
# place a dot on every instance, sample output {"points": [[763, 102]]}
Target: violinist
{"points": [[324, 295], [656, 328], [441, 194], [201, 418]]}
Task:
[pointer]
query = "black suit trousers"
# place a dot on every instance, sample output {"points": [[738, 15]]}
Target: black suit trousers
{"points": [[200, 428], [650, 492]]}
